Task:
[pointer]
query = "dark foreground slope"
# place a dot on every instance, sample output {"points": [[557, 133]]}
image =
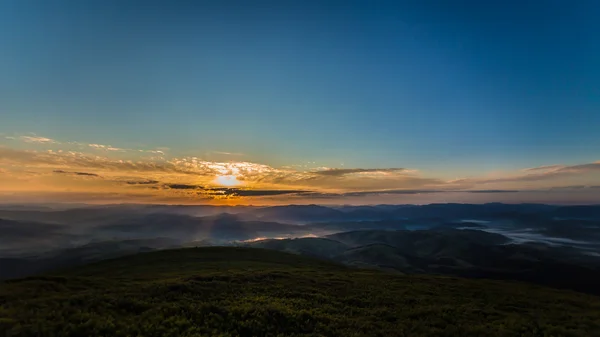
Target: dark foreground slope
{"points": [[255, 292]]}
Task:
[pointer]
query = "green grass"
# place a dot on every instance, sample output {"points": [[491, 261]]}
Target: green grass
{"points": [[254, 292]]}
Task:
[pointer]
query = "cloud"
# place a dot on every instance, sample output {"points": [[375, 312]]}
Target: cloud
{"points": [[338, 172], [106, 147], [571, 187], [543, 168], [250, 192], [257, 193], [141, 182], [34, 139], [401, 192], [383, 192], [595, 166], [153, 151], [39, 140], [77, 173], [231, 191], [491, 191], [102, 147], [73, 159], [576, 187], [163, 176], [183, 186], [184, 170], [556, 171], [228, 153], [190, 172]]}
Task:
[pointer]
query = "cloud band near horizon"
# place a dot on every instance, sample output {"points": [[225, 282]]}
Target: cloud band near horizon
{"points": [[54, 166]]}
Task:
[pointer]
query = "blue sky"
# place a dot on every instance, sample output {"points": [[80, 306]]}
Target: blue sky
{"points": [[453, 89]]}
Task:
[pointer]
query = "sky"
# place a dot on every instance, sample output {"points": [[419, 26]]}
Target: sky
{"points": [[270, 102]]}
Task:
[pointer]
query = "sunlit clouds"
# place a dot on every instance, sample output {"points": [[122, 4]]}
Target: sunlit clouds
{"points": [[228, 180], [107, 173], [30, 139]]}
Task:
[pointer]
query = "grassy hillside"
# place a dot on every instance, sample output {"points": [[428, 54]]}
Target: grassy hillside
{"points": [[255, 292]]}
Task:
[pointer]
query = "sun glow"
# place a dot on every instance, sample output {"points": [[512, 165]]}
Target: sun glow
{"points": [[227, 180]]}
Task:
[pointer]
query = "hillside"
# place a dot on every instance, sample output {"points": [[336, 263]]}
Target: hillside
{"points": [[465, 253], [256, 292]]}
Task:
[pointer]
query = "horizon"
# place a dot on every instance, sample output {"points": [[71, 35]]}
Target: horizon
{"points": [[71, 205], [299, 102]]}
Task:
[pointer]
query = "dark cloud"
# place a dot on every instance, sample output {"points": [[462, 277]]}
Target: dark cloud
{"points": [[142, 182], [491, 191], [256, 193], [77, 173], [575, 187], [231, 191], [249, 193], [183, 187], [320, 195], [336, 172]]}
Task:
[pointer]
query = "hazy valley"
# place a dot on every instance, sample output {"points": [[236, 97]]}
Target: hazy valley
{"points": [[553, 245]]}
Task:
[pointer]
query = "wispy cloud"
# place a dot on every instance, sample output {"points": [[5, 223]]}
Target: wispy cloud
{"points": [[34, 139], [183, 186], [153, 151], [548, 172], [106, 147], [543, 168], [571, 187], [142, 182], [491, 191], [338, 172], [39, 140], [77, 173], [227, 153], [404, 192]]}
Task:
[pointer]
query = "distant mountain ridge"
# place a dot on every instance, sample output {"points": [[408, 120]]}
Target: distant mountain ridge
{"points": [[310, 213]]}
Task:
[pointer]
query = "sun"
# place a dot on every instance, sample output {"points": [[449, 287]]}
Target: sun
{"points": [[227, 180]]}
